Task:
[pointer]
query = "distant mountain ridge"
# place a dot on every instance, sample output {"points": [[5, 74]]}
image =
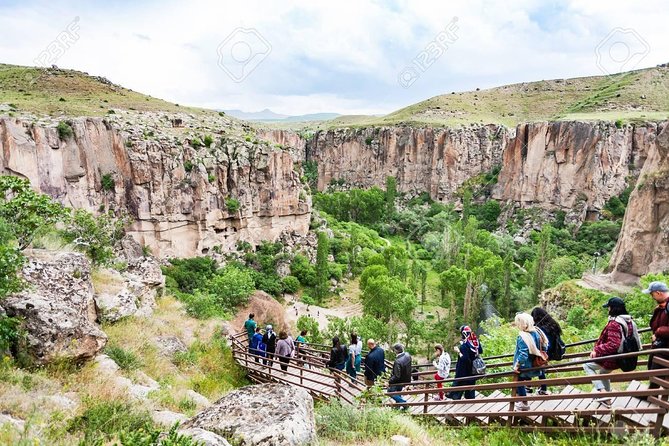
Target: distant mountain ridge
{"points": [[268, 115]]}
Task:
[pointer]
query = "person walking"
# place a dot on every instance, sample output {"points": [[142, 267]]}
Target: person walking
{"points": [[442, 362], [354, 357], [269, 339], [284, 349], [549, 326], [401, 374], [257, 346], [659, 322], [530, 342], [338, 355], [467, 350], [609, 343], [375, 362], [300, 343], [250, 327]]}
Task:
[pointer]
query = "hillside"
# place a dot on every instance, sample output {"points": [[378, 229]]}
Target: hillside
{"points": [[72, 93], [640, 95]]}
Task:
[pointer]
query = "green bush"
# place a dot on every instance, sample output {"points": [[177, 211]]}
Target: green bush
{"points": [[189, 274], [155, 437], [96, 236], [107, 182], [208, 140], [125, 359], [291, 284], [232, 204], [202, 305], [305, 272], [9, 333], [577, 317], [188, 166], [336, 421], [65, 131]]}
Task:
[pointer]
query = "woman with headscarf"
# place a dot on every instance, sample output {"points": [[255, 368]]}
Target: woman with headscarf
{"points": [[269, 339], [529, 343], [467, 350]]}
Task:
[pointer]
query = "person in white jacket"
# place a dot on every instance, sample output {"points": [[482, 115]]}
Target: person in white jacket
{"points": [[442, 362]]}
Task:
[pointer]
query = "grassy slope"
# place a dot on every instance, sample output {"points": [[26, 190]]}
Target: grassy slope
{"points": [[636, 95], [35, 90]]}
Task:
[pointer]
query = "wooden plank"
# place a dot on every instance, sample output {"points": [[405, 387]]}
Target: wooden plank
{"points": [[570, 405], [490, 408]]}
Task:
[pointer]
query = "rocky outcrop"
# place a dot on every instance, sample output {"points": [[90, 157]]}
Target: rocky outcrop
{"points": [[57, 309], [242, 416], [643, 244], [174, 188]]}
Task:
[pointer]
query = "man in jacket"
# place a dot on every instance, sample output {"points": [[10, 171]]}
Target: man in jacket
{"points": [[609, 344], [401, 373], [659, 322], [375, 363]]}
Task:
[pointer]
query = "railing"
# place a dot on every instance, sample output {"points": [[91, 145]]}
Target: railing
{"points": [[306, 371]]}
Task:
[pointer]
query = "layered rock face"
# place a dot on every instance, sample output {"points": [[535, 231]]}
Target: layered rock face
{"points": [[643, 245], [175, 189]]}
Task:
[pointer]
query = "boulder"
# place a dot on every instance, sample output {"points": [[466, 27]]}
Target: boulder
{"points": [[241, 416], [204, 437], [57, 308], [167, 418], [170, 345]]}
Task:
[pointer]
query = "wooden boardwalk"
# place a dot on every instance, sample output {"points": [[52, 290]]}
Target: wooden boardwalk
{"points": [[572, 406]]}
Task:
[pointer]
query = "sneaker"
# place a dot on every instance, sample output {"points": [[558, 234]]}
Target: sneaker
{"points": [[522, 406], [544, 392], [604, 401]]}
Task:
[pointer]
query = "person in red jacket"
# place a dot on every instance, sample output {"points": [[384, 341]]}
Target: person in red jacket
{"points": [[608, 344]]}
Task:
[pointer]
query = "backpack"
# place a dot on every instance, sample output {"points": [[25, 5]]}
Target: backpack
{"points": [[478, 365], [556, 349], [629, 344]]}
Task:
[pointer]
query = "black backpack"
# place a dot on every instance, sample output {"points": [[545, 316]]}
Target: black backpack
{"points": [[556, 349], [628, 345]]}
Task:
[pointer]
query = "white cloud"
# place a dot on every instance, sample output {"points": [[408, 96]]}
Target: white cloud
{"points": [[340, 56]]}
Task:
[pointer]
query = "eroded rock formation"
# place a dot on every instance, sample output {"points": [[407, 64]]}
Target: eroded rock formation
{"points": [[174, 187]]}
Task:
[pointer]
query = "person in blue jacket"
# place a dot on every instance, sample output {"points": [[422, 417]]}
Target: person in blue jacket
{"points": [[375, 362], [530, 342], [467, 350], [257, 346]]}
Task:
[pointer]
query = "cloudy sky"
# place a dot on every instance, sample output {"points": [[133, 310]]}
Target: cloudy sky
{"points": [[350, 57]]}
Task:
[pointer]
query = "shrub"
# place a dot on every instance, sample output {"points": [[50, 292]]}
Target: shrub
{"points": [[95, 235], [577, 317], [349, 423], [189, 274], [208, 140], [65, 131], [305, 272], [9, 333], [196, 143], [107, 182], [211, 178], [202, 305], [188, 166], [290, 284], [369, 140], [125, 359], [269, 283], [232, 204]]}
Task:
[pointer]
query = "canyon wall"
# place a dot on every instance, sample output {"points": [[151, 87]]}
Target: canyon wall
{"points": [[175, 192]]}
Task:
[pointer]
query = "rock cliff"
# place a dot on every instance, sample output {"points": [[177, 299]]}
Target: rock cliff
{"points": [[158, 169]]}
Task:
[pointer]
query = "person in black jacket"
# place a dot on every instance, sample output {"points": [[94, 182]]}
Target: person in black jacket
{"points": [[338, 355], [375, 363], [553, 332], [269, 339], [467, 350], [401, 374]]}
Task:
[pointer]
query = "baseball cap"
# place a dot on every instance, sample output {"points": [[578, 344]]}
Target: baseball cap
{"points": [[655, 286], [614, 302]]}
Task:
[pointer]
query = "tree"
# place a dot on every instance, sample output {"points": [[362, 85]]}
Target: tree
{"points": [[453, 283], [387, 297], [370, 272], [322, 272], [25, 211], [310, 324], [231, 287], [543, 256], [11, 261], [97, 236]]}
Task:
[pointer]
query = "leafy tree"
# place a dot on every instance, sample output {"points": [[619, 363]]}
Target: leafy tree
{"points": [[11, 260], [322, 252], [453, 283], [25, 211], [301, 268], [310, 324], [385, 297], [290, 284], [396, 260], [370, 272], [231, 287], [190, 274], [543, 256]]}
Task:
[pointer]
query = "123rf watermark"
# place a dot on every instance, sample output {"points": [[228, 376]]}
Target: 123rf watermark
{"points": [[241, 52], [621, 50], [429, 55], [56, 49]]}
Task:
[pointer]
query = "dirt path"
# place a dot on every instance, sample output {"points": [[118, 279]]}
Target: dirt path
{"points": [[349, 305], [603, 282]]}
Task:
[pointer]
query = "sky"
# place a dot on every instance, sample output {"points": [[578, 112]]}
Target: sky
{"points": [[349, 57]]}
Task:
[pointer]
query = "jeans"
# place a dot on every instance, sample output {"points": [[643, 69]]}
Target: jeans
{"points": [[542, 375], [397, 398], [521, 390], [592, 368]]}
